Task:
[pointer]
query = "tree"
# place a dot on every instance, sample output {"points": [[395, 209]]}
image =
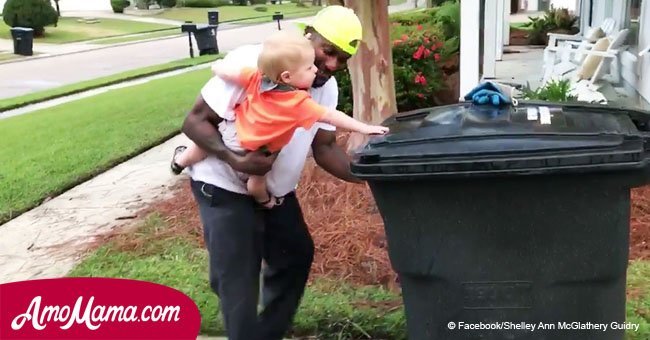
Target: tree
{"points": [[35, 14], [58, 10], [371, 69]]}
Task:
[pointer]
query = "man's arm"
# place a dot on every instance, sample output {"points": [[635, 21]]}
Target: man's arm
{"points": [[200, 126], [226, 72], [329, 156]]}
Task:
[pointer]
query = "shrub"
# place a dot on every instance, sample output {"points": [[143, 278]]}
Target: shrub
{"points": [[258, 2], [261, 9], [553, 91], [119, 5], [424, 16], [423, 50], [143, 4], [204, 3], [35, 14], [166, 3], [417, 54], [417, 74], [557, 20]]}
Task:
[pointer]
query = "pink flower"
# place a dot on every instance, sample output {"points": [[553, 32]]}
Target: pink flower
{"points": [[396, 42], [427, 52], [436, 56], [419, 28], [420, 95], [417, 55], [420, 79], [405, 37]]}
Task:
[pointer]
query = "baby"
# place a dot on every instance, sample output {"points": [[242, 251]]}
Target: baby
{"points": [[276, 104]]}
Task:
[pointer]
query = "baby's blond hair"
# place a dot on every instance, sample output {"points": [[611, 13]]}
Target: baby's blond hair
{"points": [[282, 51]]}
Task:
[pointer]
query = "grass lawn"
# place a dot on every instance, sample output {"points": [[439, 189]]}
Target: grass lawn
{"points": [[14, 102], [396, 2], [238, 13], [8, 56], [69, 30], [51, 150], [329, 309], [638, 302], [138, 37], [332, 310]]}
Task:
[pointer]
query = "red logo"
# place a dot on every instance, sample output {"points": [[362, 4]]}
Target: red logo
{"points": [[96, 308]]}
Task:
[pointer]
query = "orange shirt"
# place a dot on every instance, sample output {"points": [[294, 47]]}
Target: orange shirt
{"points": [[270, 118]]}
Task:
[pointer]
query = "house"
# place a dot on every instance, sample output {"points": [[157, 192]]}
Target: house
{"points": [[493, 30]]}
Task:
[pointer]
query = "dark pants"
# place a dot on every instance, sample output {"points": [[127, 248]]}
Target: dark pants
{"points": [[238, 235]]}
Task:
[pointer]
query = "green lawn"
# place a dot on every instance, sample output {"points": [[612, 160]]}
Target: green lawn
{"points": [[330, 310], [396, 2], [145, 36], [48, 151], [238, 13], [69, 30], [638, 304], [8, 56], [14, 102]]}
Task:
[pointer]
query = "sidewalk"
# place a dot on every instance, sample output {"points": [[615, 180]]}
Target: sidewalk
{"points": [[112, 15], [44, 242]]}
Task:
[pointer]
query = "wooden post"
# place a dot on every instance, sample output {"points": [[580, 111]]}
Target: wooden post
{"points": [[371, 69]]}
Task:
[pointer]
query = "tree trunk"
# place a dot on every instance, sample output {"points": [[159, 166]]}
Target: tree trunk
{"points": [[335, 2], [371, 69], [58, 10]]}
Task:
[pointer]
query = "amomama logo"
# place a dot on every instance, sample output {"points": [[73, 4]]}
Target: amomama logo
{"points": [[97, 307]]}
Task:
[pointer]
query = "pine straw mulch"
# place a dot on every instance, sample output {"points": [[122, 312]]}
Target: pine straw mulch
{"points": [[345, 224]]}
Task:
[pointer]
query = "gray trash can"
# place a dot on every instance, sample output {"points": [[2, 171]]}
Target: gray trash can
{"points": [[23, 38], [501, 220], [206, 39]]}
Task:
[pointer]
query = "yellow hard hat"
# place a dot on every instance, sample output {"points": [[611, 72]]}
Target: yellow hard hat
{"points": [[340, 26]]}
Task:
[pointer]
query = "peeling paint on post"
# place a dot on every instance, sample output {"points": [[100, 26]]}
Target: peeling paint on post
{"points": [[371, 69]]}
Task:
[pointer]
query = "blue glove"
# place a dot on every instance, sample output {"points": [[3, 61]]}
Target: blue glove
{"points": [[488, 93]]}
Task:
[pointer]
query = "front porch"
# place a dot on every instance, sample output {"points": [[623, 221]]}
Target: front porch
{"points": [[523, 65], [619, 80]]}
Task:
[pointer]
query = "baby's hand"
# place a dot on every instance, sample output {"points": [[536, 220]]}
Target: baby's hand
{"points": [[375, 130]]}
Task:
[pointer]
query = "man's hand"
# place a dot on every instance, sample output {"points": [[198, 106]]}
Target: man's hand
{"points": [[356, 141], [253, 163], [329, 156]]}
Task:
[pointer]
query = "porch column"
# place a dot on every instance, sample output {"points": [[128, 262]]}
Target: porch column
{"points": [[506, 23], [500, 26], [490, 39], [469, 47]]}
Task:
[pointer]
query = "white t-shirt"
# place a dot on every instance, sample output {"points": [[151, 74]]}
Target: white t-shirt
{"points": [[287, 168]]}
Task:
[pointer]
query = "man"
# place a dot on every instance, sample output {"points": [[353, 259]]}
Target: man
{"points": [[238, 233]]}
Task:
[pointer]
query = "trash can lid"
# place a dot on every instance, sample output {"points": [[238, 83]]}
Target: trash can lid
{"points": [[202, 27], [25, 29], [464, 140]]}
